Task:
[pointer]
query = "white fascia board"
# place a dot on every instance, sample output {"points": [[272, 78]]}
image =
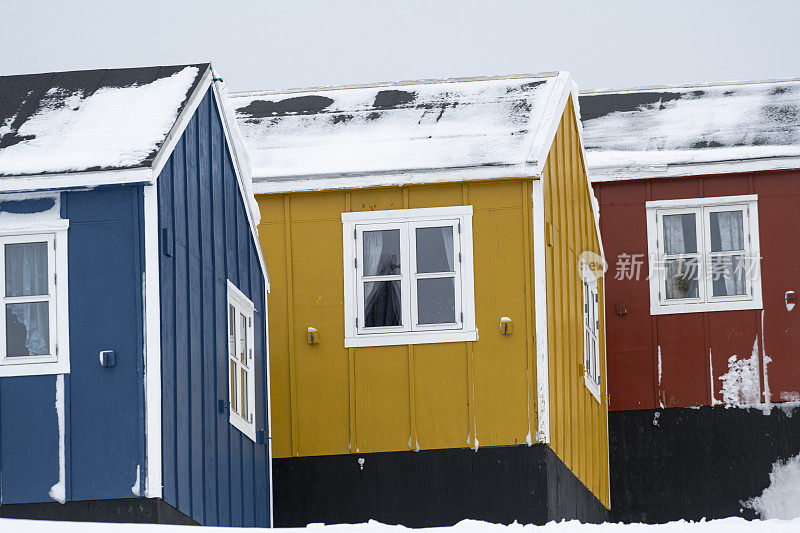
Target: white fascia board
{"points": [[540, 314], [271, 185], [174, 135], [543, 142], [644, 171], [75, 180], [152, 344], [548, 125], [250, 204]]}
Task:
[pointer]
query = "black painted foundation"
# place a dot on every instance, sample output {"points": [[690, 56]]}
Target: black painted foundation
{"points": [[691, 463], [126, 510], [431, 488]]}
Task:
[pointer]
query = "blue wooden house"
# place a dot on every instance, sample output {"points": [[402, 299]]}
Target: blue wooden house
{"points": [[133, 348]]}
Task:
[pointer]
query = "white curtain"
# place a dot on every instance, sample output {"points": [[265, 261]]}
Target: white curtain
{"points": [[26, 275], [373, 245], [676, 234], [730, 228], [447, 239]]}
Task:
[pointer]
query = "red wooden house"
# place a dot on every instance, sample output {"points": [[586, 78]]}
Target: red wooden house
{"points": [[699, 192]]}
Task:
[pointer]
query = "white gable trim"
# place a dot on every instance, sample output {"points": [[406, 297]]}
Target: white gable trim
{"points": [[250, 204], [174, 135]]}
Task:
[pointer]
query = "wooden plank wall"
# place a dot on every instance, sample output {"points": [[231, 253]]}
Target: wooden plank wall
{"points": [[578, 421], [327, 399], [212, 472]]}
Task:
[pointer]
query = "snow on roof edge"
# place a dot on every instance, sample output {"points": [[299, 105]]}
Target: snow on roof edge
{"points": [[644, 88], [399, 83]]}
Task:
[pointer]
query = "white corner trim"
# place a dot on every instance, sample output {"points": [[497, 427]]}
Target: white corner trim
{"points": [[152, 344], [540, 307], [268, 426]]}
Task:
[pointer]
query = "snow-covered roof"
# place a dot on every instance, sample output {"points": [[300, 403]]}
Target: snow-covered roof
{"points": [[88, 121], [395, 133], [687, 130]]}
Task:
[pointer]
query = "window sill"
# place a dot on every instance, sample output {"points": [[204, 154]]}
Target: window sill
{"points": [[249, 430], [35, 369], [410, 337], [707, 307], [593, 387]]}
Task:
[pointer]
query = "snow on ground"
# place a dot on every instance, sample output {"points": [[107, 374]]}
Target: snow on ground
{"points": [[781, 499], [727, 525]]}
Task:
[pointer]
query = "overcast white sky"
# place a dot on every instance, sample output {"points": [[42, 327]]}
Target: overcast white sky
{"points": [[292, 43]]}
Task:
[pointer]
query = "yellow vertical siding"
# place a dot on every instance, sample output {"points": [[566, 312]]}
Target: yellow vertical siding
{"points": [[327, 399], [579, 422]]}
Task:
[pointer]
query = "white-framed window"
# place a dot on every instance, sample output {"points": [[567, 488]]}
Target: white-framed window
{"points": [[241, 362], [591, 331], [704, 254], [34, 331], [408, 276]]}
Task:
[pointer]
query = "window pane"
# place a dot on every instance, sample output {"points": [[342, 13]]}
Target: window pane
{"points": [[681, 278], [382, 252], [436, 301], [231, 330], [26, 269], [680, 234], [435, 249], [243, 339], [245, 407], [27, 329], [727, 231], [233, 386], [382, 304], [728, 275]]}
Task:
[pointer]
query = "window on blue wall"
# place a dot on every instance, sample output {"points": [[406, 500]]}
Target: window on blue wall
{"points": [[241, 361], [33, 304]]}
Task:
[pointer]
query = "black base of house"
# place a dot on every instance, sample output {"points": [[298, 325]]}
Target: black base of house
{"points": [[690, 463], [431, 488], [127, 510]]}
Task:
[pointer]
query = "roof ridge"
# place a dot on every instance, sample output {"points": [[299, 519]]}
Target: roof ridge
{"points": [[399, 83], [106, 69], [687, 86]]}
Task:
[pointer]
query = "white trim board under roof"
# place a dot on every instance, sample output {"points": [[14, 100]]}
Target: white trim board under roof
{"points": [[685, 130], [390, 134]]}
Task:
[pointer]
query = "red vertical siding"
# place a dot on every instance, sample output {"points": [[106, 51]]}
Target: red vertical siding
{"points": [[692, 346]]}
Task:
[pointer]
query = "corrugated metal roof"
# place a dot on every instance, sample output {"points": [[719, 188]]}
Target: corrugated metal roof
{"points": [[395, 127], [655, 131], [113, 119]]}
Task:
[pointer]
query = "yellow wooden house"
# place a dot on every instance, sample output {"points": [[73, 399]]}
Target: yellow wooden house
{"points": [[436, 329]]}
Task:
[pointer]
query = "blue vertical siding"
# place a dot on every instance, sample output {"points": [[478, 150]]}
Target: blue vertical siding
{"points": [[212, 472], [104, 424]]}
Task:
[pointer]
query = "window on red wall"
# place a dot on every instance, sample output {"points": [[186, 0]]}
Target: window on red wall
{"points": [[704, 254]]}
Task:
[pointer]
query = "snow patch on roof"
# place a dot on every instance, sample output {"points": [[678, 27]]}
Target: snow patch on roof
{"points": [[633, 130], [367, 130], [112, 127]]}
